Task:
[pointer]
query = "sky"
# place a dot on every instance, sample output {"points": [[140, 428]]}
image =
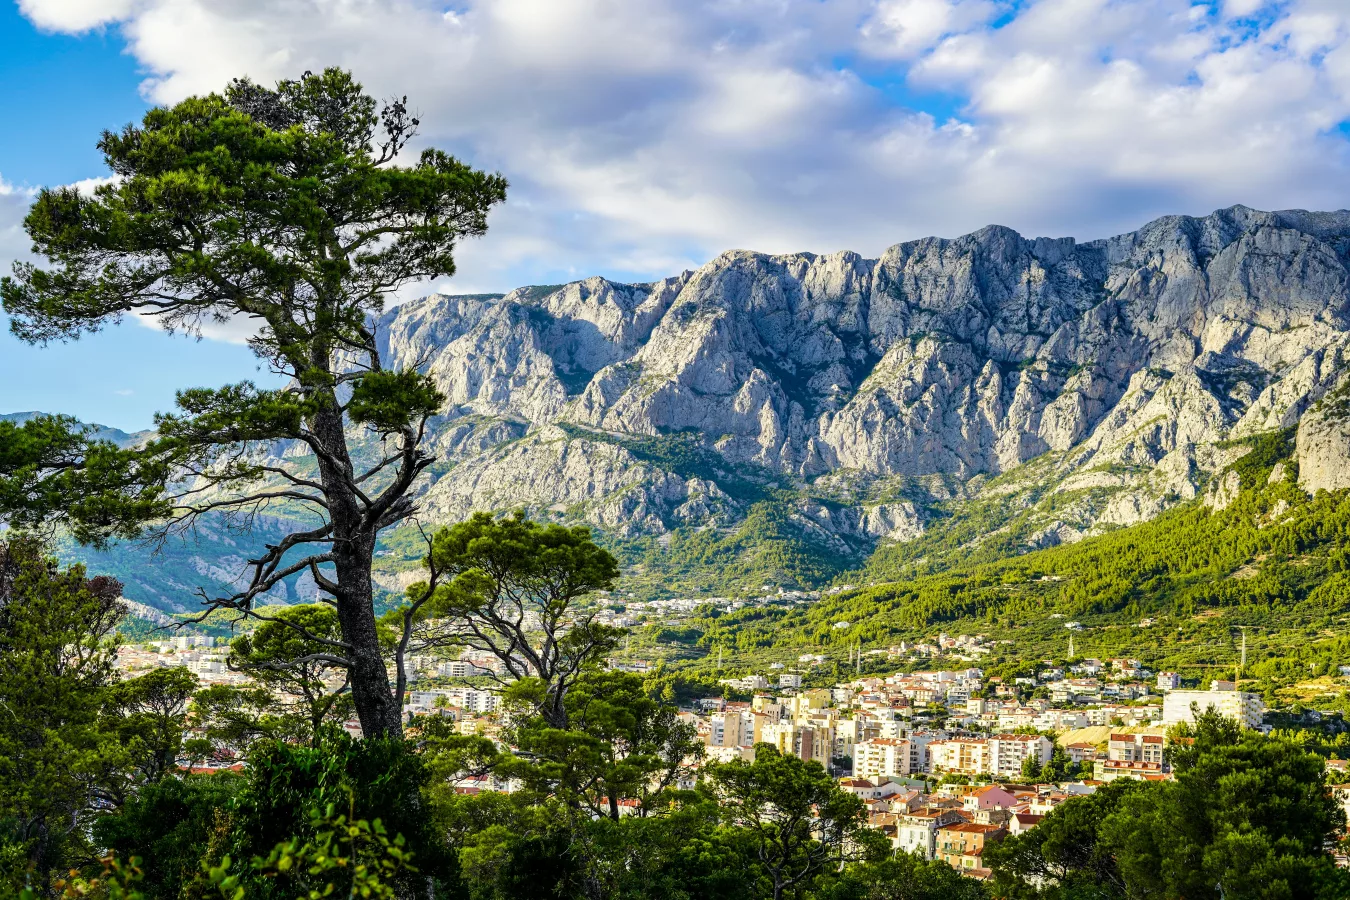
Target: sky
{"points": [[644, 137]]}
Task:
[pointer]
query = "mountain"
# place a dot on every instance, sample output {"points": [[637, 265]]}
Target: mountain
{"points": [[1096, 383], [96, 432], [787, 419]]}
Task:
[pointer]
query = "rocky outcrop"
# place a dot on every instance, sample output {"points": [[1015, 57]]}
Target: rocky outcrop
{"points": [[1323, 444], [552, 473], [1125, 362]]}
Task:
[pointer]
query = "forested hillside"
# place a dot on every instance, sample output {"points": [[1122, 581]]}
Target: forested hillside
{"points": [[1170, 591]]}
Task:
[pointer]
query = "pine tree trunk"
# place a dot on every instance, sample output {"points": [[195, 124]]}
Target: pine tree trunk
{"points": [[354, 554], [372, 693]]}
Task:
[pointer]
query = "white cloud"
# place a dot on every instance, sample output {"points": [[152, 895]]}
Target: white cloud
{"points": [[644, 136], [14, 243], [75, 15], [906, 28]]}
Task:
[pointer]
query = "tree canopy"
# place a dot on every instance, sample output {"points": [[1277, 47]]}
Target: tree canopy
{"points": [[286, 208]]}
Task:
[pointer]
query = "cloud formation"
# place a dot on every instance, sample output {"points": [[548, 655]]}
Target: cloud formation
{"points": [[14, 203], [644, 136]]}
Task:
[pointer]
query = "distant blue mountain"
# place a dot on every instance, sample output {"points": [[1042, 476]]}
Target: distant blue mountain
{"points": [[99, 432]]}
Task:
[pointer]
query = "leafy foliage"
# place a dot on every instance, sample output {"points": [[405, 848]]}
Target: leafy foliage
{"points": [[292, 652], [1246, 817], [58, 761], [287, 207], [509, 587]]}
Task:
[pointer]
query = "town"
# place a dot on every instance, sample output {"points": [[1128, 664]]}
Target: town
{"points": [[947, 760]]}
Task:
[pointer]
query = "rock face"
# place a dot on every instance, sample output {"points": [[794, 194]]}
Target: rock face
{"points": [[1323, 444], [1117, 364]]}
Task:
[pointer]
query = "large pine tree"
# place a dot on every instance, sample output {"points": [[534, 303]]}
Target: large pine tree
{"points": [[287, 208]]}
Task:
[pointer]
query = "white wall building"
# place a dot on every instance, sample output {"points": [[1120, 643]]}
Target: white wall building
{"points": [[882, 758], [1243, 706]]}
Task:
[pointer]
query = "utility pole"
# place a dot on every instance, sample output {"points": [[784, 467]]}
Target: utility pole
{"points": [[859, 669], [1242, 655], [1070, 646], [719, 657]]}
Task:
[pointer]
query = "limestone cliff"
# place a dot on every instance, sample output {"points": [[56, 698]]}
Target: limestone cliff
{"points": [[1126, 367]]}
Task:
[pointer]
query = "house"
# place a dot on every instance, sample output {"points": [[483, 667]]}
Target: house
{"points": [[961, 844], [859, 787], [917, 830], [886, 823], [1342, 794], [1022, 822], [905, 800], [991, 796], [1081, 751]]}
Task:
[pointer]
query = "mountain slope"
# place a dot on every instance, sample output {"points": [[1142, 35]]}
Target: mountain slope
{"points": [[1260, 555], [96, 432]]}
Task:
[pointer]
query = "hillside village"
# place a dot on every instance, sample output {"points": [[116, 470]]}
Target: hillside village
{"points": [[947, 760]]}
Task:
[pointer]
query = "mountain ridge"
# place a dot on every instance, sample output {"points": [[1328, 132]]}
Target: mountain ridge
{"points": [[784, 417], [960, 358]]}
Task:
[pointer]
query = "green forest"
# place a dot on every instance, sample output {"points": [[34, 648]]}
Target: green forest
{"points": [[1171, 592], [610, 796]]}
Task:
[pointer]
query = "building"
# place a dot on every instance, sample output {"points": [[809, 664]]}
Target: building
{"points": [[917, 830], [1081, 751], [1022, 822], [861, 788], [1342, 794], [1007, 752], [461, 668], [789, 681], [1135, 748], [1107, 770], [962, 756], [882, 758], [961, 844], [1243, 706], [1168, 681], [991, 796], [802, 741], [725, 730]]}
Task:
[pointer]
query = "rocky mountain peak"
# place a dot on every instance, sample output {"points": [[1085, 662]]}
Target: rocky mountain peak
{"points": [[1123, 365]]}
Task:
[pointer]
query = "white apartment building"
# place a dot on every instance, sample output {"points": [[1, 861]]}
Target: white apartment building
{"points": [[1007, 752], [882, 758], [1243, 706], [461, 668], [472, 700]]}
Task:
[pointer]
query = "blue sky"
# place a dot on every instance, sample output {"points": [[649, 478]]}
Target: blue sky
{"points": [[645, 137], [65, 90]]}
